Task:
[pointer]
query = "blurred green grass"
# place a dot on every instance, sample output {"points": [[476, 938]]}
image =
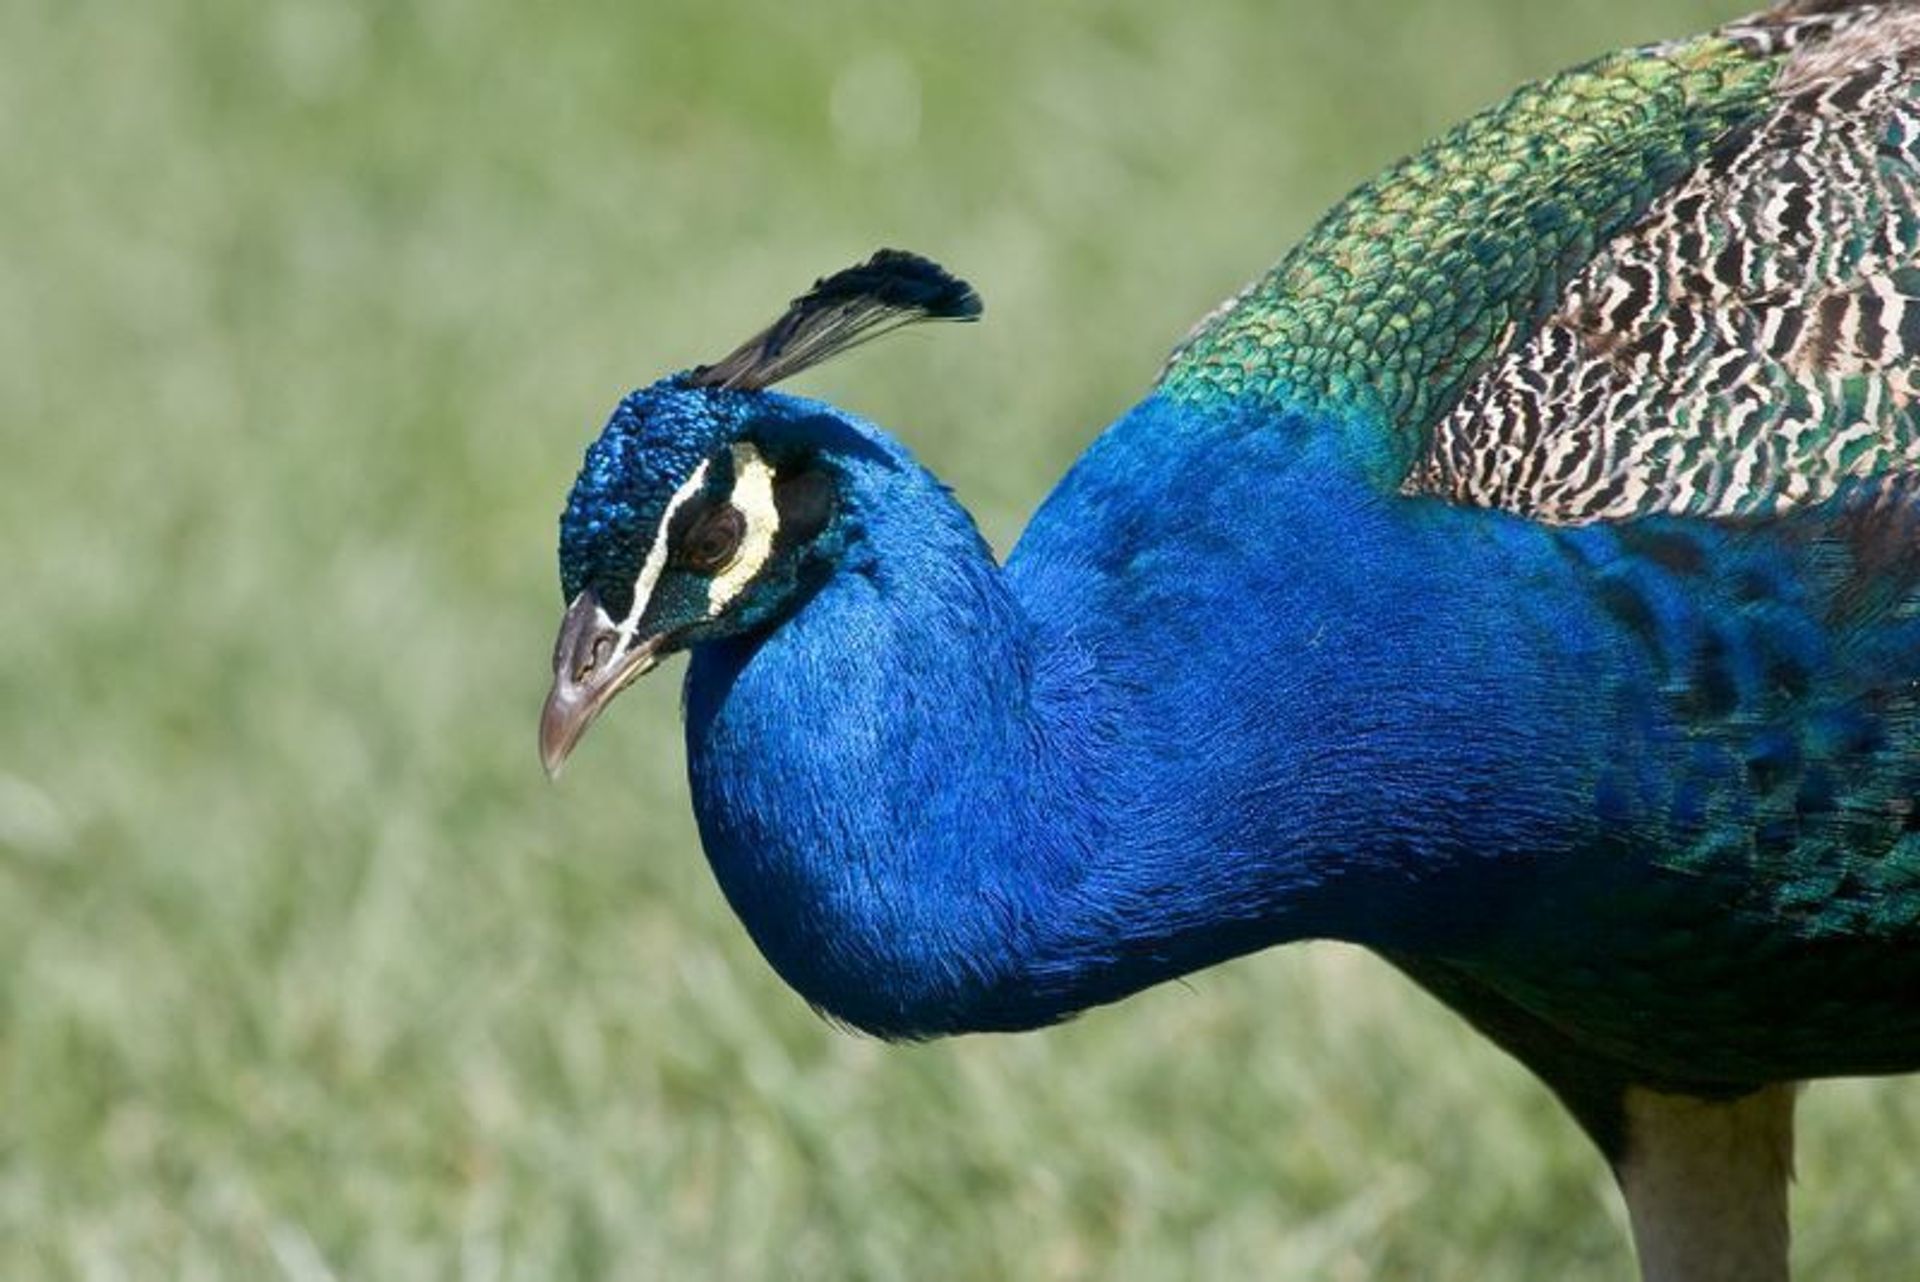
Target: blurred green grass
{"points": [[306, 311]]}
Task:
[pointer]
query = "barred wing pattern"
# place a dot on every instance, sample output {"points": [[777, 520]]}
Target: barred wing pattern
{"points": [[1752, 344]]}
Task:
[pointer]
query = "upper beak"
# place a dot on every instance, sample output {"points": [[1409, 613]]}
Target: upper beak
{"points": [[589, 669]]}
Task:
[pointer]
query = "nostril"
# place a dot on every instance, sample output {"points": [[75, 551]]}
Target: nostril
{"points": [[596, 656]]}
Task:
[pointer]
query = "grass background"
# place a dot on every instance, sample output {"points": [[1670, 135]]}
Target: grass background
{"points": [[307, 309]]}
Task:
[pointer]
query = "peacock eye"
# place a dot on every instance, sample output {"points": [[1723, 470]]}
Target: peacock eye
{"points": [[713, 540]]}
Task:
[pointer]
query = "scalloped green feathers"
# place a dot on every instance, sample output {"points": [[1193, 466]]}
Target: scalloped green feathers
{"points": [[1749, 347], [1621, 289]]}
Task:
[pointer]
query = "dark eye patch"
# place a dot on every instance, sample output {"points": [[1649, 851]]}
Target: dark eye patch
{"points": [[804, 502], [711, 539]]}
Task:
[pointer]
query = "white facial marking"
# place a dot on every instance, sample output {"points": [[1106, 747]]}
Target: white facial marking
{"points": [[656, 562], [753, 495]]}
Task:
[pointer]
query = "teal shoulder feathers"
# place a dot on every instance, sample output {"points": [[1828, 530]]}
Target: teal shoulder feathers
{"points": [[1683, 278]]}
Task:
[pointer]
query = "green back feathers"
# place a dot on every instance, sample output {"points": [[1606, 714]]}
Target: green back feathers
{"points": [[1407, 288], [1751, 346], [1428, 315]]}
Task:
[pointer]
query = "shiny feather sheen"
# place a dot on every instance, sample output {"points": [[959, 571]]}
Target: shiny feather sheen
{"points": [[1638, 797]]}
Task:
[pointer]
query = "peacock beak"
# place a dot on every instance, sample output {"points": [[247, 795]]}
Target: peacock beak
{"points": [[593, 660]]}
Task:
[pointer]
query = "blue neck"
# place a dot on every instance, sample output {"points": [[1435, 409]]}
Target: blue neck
{"points": [[878, 781], [947, 796]]}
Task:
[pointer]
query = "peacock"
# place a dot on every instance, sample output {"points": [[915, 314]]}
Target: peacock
{"points": [[1520, 580]]}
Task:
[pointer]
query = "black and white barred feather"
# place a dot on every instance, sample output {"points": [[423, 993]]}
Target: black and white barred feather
{"points": [[1752, 344]]}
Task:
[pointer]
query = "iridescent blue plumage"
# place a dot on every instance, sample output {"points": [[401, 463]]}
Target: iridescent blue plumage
{"points": [[1554, 632], [652, 442]]}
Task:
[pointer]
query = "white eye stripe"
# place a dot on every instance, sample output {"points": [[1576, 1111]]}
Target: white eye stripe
{"points": [[656, 562], [753, 496]]}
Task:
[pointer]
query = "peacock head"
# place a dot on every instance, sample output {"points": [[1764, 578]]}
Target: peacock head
{"points": [[709, 507]]}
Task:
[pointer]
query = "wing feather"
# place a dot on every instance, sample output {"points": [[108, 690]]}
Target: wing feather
{"points": [[1751, 345], [1679, 279]]}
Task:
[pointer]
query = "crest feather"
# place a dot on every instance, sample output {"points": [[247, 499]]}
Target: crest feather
{"points": [[889, 291]]}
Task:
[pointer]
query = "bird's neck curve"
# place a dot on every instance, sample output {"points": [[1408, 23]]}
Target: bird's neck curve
{"points": [[945, 796], [865, 775]]}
